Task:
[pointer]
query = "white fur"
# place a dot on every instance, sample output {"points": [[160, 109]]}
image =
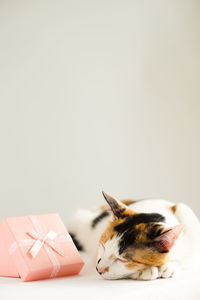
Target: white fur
{"points": [[184, 253]]}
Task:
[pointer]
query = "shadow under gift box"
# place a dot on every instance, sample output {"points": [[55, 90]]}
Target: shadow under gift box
{"points": [[35, 256]]}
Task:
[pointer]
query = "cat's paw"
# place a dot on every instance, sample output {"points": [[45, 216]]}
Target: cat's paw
{"points": [[148, 274], [168, 270]]}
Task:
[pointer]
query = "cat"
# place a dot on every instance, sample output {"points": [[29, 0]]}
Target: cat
{"points": [[143, 240]]}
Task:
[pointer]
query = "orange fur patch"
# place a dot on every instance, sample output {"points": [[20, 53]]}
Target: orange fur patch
{"points": [[147, 259], [173, 208], [143, 230], [112, 257], [109, 233], [128, 201], [106, 269]]}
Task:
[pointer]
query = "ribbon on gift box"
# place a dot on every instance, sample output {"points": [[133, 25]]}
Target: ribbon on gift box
{"points": [[47, 241]]}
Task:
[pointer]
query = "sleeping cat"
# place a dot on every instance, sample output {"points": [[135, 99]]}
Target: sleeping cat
{"points": [[145, 239]]}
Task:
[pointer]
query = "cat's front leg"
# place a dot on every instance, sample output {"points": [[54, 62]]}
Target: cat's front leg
{"points": [[168, 270], [147, 274]]}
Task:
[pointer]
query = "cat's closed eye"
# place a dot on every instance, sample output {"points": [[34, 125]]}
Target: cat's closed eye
{"points": [[121, 260]]}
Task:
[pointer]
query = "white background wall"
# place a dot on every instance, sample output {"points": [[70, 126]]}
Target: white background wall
{"points": [[98, 95]]}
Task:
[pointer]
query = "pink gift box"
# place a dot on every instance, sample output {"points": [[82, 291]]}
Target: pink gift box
{"points": [[37, 247]]}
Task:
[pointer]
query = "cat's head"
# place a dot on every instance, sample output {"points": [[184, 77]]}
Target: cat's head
{"points": [[133, 241]]}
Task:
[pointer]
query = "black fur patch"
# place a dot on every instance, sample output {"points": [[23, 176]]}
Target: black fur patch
{"points": [[99, 218], [138, 219], [127, 240], [154, 230], [129, 233], [76, 242]]}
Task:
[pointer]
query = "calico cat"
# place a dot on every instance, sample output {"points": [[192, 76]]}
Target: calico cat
{"points": [[145, 239]]}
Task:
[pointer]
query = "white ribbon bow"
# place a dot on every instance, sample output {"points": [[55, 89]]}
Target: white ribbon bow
{"points": [[48, 239]]}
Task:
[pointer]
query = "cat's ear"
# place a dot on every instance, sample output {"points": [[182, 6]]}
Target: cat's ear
{"points": [[164, 242], [117, 207]]}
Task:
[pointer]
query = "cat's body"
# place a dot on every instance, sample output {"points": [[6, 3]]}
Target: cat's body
{"points": [[144, 239]]}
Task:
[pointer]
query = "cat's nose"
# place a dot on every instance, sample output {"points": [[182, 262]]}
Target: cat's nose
{"points": [[100, 270]]}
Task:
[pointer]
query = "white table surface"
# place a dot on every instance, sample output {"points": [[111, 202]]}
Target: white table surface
{"points": [[89, 285]]}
